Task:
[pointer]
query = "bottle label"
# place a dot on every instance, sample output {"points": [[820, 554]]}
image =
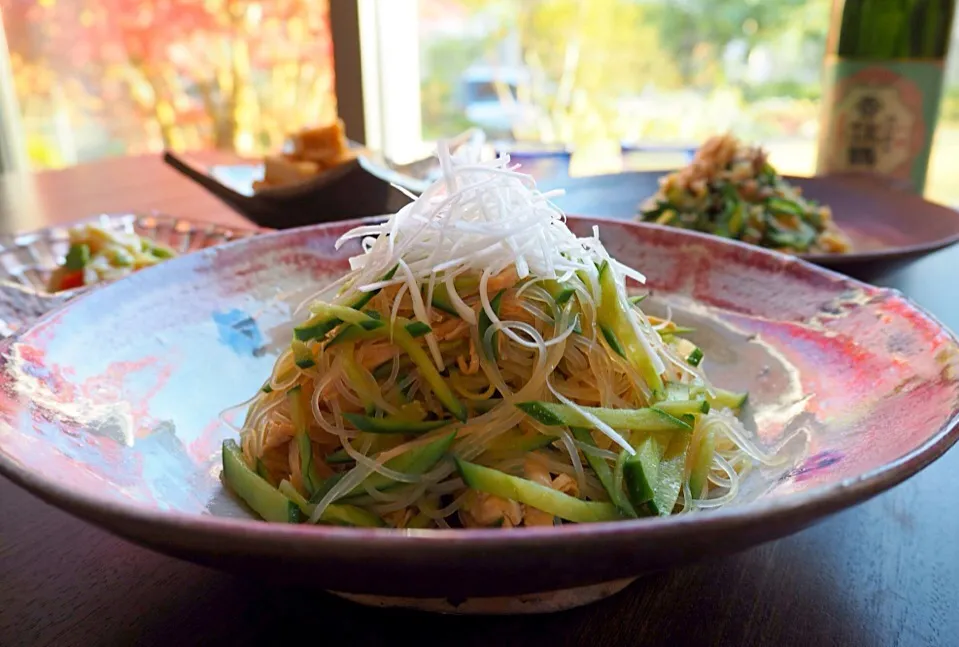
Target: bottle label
{"points": [[879, 117]]}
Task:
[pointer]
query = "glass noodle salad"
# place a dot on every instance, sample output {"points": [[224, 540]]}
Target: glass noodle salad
{"points": [[731, 190], [482, 366]]}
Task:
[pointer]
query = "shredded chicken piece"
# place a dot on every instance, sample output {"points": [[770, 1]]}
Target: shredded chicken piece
{"points": [[535, 517], [296, 476], [749, 189], [538, 473], [371, 355], [713, 157], [505, 279], [399, 518], [276, 432], [275, 460], [566, 484], [472, 365], [481, 510], [511, 309], [387, 296], [323, 470], [602, 441], [325, 439], [451, 329]]}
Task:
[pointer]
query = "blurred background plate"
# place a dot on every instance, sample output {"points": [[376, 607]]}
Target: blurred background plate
{"points": [[27, 260], [885, 224]]}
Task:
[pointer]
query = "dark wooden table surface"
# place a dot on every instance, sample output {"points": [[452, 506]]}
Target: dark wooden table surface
{"points": [[883, 573]]}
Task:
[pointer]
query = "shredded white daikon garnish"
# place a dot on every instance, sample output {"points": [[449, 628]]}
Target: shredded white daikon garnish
{"points": [[482, 215]]}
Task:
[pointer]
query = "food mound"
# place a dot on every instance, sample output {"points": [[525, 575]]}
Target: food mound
{"points": [[731, 190], [482, 366]]}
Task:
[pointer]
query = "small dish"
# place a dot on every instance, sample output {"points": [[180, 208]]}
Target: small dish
{"points": [[355, 189], [27, 260], [368, 185], [885, 224], [116, 419]]}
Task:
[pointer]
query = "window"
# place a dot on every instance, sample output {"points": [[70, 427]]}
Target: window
{"points": [[650, 78], [626, 84], [632, 84], [94, 78]]}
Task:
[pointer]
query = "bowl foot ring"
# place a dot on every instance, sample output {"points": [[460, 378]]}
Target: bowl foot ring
{"points": [[546, 602]]}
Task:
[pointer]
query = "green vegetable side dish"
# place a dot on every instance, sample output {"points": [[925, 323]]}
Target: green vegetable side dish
{"points": [[449, 382], [99, 254], [731, 190]]}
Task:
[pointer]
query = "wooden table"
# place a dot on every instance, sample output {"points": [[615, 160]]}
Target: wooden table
{"points": [[143, 184], [883, 573]]}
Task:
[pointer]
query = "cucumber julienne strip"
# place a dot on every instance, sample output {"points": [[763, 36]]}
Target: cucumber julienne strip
{"points": [[649, 419], [299, 416], [561, 292], [266, 501], [680, 408], [354, 333], [642, 470], [338, 457], [392, 426], [363, 383], [700, 458], [340, 514], [669, 479], [320, 324], [403, 333], [620, 335], [533, 494], [605, 475], [428, 371], [302, 355], [416, 461], [728, 399], [418, 329], [695, 357], [329, 317]]}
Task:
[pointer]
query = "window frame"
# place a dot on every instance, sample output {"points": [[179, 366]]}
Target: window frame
{"points": [[377, 42], [13, 147]]}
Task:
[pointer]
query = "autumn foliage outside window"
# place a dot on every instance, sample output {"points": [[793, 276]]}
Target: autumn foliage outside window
{"points": [[118, 77]]}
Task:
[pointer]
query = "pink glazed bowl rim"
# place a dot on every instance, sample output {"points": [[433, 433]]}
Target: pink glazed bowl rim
{"points": [[208, 530]]}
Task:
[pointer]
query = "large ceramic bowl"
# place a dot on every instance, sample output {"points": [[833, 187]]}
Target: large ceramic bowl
{"points": [[109, 410]]}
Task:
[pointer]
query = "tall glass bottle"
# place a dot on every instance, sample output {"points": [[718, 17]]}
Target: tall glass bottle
{"points": [[883, 82]]}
